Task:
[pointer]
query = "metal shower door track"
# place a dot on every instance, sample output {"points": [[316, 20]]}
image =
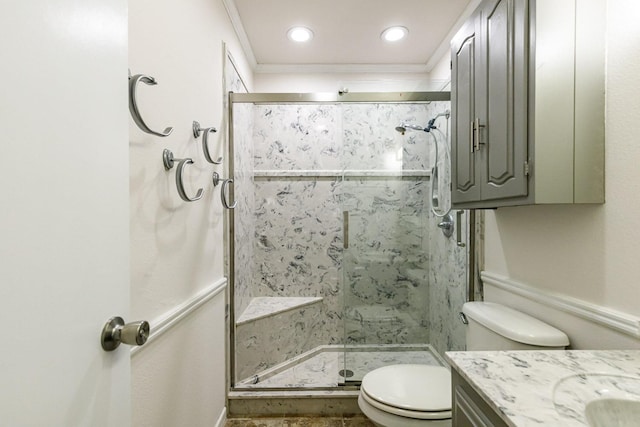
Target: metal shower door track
{"points": [[335, 97]]}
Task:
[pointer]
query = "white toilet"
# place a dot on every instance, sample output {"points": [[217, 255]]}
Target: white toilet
{"points": [[420, 395]]}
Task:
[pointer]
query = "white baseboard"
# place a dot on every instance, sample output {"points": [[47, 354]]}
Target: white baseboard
{"points": [[612, 319], [222, 419]]}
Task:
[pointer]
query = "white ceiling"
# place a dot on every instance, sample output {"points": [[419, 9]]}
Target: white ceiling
{"points": [[346, 33]]}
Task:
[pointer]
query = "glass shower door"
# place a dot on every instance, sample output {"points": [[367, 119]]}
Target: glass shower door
{"points": [[385, 264], [385, 273]]}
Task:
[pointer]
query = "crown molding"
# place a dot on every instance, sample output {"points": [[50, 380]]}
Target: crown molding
{"points": [[605, 316], [340, 68], [236, 22], [444, 47]]}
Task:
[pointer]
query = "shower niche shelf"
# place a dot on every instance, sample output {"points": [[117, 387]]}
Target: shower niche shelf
{"points": [[262, 307]]}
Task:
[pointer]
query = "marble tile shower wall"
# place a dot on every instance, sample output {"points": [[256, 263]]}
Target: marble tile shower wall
{"points": [[385, 280], [298, 248], [244, 188], [447, 277], [370, 141], [299, 153], [244, 213], [447, 290], [297, 167], [293, 137]]}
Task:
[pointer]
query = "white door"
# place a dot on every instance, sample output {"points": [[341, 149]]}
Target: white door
{"points": [[64, 215]]}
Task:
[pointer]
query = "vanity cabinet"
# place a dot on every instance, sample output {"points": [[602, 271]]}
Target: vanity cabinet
{"points": [[469, 409], [527, 94]]}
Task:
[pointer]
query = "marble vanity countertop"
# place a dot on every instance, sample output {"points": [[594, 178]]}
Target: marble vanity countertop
{"points": [[543, 388]]}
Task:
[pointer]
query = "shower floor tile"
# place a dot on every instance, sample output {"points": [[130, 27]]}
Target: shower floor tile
{"points": [[321, 368]]}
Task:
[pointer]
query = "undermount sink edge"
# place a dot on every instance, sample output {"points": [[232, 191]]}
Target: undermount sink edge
{"points": [[599, 398], [613, 413]]}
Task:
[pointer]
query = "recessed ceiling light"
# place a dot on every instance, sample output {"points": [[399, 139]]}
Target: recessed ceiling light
{"points": [[300, 34], [393, 34]]}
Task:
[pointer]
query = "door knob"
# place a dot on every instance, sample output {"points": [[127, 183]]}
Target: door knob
{"points": [[115, 332]]}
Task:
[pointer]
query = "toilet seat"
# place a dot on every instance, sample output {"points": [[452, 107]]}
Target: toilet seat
{"points": [[413, 391]]}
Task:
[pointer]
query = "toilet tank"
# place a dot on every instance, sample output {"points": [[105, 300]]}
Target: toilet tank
{"points": [[494, 326]]}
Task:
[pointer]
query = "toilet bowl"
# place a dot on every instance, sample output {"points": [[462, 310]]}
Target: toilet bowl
{"points": [[420, 395], [407, 396]]}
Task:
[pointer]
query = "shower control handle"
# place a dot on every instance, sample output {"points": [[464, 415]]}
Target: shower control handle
{"points": [[447, 225], [115, 332]]}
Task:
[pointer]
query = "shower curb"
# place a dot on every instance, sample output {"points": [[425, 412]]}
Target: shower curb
{"points": [[270, 403]]}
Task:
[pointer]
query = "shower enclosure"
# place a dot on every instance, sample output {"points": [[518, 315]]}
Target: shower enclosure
{"points": [[336, 263]]}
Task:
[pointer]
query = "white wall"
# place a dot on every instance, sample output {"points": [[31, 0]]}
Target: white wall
{"points": [[177, 247], [441, 72], [332, 82], [179, 379], [587, 252]]}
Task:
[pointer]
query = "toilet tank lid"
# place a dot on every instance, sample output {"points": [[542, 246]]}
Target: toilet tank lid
{"points": [[515, 325]]}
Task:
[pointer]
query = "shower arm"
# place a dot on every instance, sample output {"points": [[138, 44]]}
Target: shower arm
{"points": [[431, 124]]}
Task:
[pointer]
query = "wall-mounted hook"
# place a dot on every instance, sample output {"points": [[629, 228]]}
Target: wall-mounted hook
{"points": [[223, 194], [216, 179], [168, 160], [133, 104], [197, 130]]}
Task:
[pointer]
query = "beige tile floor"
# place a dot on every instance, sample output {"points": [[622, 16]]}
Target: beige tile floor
{"points": [[356, 421]]}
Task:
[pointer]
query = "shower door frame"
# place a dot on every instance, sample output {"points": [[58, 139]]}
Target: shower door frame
{"points": [[305, 98]]}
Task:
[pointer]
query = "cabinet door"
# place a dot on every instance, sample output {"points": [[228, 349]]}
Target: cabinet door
{"points": [[465, 176], [466, 413], [469, 409], [501, 86]]}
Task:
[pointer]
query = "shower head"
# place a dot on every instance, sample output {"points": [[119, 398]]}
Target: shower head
{"points": [[407, 126], [430, 125]]}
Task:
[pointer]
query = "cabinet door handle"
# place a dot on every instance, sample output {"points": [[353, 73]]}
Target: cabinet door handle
{"points": [[476, 130], [472, 135]]}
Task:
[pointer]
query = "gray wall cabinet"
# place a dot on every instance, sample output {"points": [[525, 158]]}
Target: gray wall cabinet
{"points": [[527, 93]]}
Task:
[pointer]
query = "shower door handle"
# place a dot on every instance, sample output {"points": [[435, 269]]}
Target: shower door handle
{"points": [[459, 241], [345, 229]]}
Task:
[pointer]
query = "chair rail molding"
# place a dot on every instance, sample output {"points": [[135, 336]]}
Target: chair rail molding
{"points": [[613, 319], [174, 316]]}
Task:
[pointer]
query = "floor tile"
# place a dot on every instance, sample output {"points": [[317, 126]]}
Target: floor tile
{"points": [[254, 422], [358, 421], [313, 422]]}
